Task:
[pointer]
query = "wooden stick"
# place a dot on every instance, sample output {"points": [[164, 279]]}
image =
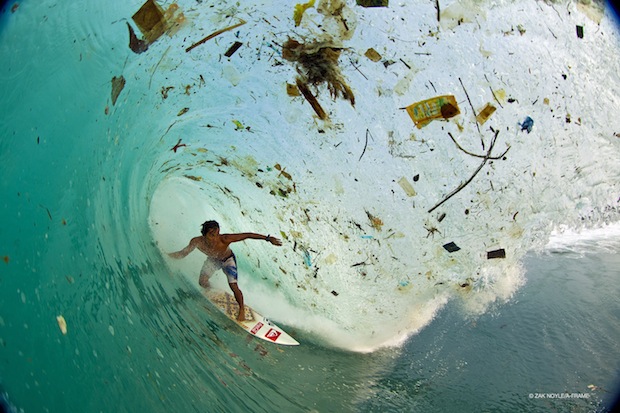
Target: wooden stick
{"points": [[493, 93], [476, 155], [215, 34], [357, 68], [471, 106], [365, 145], [303, 88]]}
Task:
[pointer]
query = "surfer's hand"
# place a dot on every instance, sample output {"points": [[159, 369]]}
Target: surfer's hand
{"points": [[274, 240]]}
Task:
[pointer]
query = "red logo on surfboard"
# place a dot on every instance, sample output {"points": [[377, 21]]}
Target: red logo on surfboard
{"points": [[272, 334], [257, 327]]}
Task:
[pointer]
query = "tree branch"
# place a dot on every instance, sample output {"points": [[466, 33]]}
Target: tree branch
{"points": [[471, 178]]}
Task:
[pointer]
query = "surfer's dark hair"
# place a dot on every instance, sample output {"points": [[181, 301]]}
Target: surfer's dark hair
{"points": [[208, 226]]}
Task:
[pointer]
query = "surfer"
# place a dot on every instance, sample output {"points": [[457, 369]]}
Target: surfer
{"points": [[219, 256]]}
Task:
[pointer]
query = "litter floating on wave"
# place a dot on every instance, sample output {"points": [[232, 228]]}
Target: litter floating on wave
{"points": [[62, 324], [527, 124], [451, 247]]}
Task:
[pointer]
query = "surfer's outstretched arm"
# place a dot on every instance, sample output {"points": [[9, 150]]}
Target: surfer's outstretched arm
{"points": [[183, 253], [230, 238]]}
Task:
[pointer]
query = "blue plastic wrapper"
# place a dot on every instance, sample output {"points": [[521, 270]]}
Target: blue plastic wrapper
{"points": [[527, 124]]}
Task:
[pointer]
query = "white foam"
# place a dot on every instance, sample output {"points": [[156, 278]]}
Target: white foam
{"points": [[602, 239]]}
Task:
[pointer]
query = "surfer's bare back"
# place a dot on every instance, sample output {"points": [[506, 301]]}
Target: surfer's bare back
{"points": [[219, 256]]}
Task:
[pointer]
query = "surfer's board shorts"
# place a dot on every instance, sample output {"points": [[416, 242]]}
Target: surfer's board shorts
{"points": [[228, 266]]}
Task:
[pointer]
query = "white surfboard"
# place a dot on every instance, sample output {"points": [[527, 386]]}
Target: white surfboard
{"points": [[255, 324]]}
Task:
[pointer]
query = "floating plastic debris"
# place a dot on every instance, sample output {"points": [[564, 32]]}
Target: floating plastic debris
{"points": [[527, 124], [485, 113], [153, 22], [292, 90], [233, 49], [238, 125], [299, 11], [440, 107], [373, 55], [407, 187], [331, 259], [404, 286], [174, 19], [150, 20], [373, 3], [499, 253], [307, 259], [62, 324], [451, 247]]}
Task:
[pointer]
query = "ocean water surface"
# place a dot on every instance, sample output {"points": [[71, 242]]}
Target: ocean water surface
{"points": [[389, 275]]}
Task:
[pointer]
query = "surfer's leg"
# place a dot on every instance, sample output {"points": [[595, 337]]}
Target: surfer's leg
{"points": [[230, 269], [208, 268], [239, 297]]}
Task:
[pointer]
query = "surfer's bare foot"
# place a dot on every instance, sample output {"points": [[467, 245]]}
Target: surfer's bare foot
{"points": [[241, 316]]}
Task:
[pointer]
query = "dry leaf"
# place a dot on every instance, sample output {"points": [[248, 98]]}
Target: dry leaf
{"points": [[118, 83]]}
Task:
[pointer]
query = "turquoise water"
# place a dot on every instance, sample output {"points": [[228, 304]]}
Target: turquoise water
{"points": [[79, 239]]}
